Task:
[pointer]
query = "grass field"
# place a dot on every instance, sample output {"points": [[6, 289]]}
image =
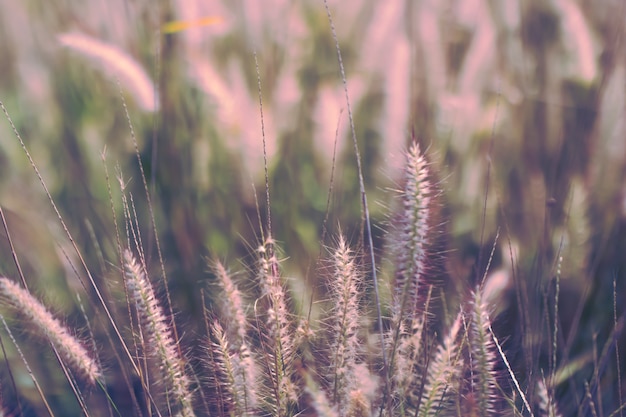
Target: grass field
{"points": [[193, 239]]}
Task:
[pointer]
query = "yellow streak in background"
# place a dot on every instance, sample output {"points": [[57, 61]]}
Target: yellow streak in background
{"points": [[180, 25]]}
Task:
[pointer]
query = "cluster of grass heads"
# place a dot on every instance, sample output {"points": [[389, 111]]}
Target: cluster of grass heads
{"points": [[259, 358], [520, 107]]}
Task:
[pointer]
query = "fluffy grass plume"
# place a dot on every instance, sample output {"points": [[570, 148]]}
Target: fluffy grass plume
{"points": [[43, 323], [160, 342], [276, 333], [346, 319], [441, 389], [481, 386], [117, 64], [547, 405], [234, 389], [232, 343], [411, 235], [408, 242], [528, 150]]}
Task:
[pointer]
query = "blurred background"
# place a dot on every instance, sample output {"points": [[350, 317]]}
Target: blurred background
{"points": [[519, 105]]}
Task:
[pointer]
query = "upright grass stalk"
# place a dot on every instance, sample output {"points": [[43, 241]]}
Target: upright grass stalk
{"points": [[346, 315], [234, 317], [444, 374], [278, 340], [482, 388], [161, 344], [547, 405], [233, 386], [617, 356], [408, 365], [408, 242], [233, 304], [364, 204], [412, 235]]}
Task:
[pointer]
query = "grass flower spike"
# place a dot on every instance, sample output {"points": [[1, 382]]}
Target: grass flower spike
{"points": [[482, 359], [116, 63], [279, 333], [412, 233], [346, 290], [235, 348], [70, 349], [444, 373], [160, 342], [547, 405], [408, 243], [252, 135]]}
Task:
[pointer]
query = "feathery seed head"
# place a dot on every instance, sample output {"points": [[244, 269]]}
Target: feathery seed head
{"points": [[278, 331], [547, 405], [237, 390], [70, 349], [345, 288], [156, 327], [482, 356], [116, 63], [444, 373], [359, 405], [409, 242], [233, 306]]}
